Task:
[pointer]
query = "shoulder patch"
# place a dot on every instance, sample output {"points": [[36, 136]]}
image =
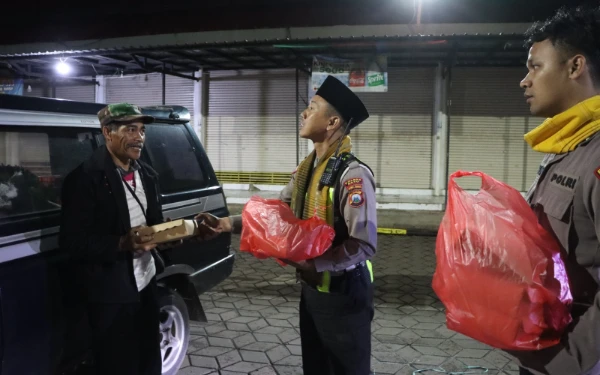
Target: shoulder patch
{"points": [[356, 198], [597, 172], [352, 184]]}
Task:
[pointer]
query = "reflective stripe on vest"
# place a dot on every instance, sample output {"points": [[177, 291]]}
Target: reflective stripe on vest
{"points": [[326, 281]]}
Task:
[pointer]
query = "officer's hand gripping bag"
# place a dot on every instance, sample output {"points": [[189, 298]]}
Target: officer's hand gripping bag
{"points": [[272, 230], [499, 274]]}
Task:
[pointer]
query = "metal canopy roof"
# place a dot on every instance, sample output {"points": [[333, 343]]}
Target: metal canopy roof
{"points": [[490, 49]]}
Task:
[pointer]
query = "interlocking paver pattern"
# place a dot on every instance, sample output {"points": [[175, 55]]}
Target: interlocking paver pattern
{"points": [[253, 320]]}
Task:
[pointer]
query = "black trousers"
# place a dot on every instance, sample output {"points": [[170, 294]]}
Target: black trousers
{"points": [[335, 327], [126, 336]]}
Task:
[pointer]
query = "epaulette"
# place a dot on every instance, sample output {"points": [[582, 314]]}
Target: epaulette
{"points": [[348, 157]]}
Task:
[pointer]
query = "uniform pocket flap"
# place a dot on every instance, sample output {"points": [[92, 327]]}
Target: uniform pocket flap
{"points": [[556, 205]]}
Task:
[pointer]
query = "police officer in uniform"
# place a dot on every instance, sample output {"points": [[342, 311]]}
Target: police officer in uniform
{"points": [[336, 307], [563, 84]]}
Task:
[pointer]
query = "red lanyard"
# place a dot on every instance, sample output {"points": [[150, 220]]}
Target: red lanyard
{"points": [[129, 179]]}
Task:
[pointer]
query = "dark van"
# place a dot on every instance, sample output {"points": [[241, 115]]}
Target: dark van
{"points": [[42, 329]]}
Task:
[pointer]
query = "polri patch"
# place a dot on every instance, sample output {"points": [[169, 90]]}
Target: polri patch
{"points": [[356, 198], [352, 184], [597, 173], [563, 181]]}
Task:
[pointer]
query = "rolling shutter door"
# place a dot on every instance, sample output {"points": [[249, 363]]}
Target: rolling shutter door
{"points": [[531, 163], [33, 149], [395, 141], [180, 91], [251, 125], [146, 90], [142, 90], [80, 93], [488, 118], [36, 91]]}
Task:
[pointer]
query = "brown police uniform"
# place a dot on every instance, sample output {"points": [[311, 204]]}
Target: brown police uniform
{"points": [[335, 324], [336, 305], [566, 199], [360, 216]]}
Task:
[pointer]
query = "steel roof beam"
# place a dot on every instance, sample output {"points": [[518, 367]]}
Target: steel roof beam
{"points": [[164, 70], [266, 57], [187, 67], [227, 56], [199, 60], [29, 73]]}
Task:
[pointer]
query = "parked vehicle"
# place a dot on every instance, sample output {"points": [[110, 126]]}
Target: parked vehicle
{"points": [[42, 329]]}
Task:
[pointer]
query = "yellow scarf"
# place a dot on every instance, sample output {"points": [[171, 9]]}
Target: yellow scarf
{"points": [[308, 198], [563, 132]]}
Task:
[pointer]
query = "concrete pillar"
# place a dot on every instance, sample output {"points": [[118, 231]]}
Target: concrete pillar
{"points": [[197, 108], [204, 107], [101, 89], [440, 130]]}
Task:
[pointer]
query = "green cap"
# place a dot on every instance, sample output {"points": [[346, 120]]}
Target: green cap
{"points": [[122, 113]]}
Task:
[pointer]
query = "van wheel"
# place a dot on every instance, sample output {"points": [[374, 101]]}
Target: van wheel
{"points": [[174, 330]]}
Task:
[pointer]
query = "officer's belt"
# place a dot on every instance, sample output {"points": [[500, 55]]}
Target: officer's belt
{"points": [[352, 267], [322, 281]]}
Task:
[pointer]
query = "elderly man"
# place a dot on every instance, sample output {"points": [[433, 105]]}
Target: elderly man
{"points": [[103, 199]]}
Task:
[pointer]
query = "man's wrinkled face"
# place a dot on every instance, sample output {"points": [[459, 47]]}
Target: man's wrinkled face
{"points": [[546, 80], [125, 140]]}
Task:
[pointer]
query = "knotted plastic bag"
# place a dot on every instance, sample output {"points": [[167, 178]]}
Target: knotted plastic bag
{"points": [[272, 230], [499, 274]]}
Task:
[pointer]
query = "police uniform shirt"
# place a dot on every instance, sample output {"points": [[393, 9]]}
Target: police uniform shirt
{"points": [[356, 196]]}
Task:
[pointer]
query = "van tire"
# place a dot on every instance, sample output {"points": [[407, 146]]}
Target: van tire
{"points": [[174, 330]]}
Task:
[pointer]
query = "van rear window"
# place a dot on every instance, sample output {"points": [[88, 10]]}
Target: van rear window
{"points": [[173, 156], [33, 164]]}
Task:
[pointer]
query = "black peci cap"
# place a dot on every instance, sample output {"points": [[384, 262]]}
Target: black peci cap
{"points": [[344, 100]]}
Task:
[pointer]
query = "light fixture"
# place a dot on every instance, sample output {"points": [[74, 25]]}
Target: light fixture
{"points": [[63, 68], [29, 88]]}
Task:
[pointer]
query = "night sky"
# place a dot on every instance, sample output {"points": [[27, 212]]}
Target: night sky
{"points": [[57, 22]]}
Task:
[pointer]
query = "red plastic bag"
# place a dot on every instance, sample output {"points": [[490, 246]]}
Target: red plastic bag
{"points": [[499, 273], [272, 230]]}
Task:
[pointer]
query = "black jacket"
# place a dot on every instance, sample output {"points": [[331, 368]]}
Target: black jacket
{"points": [[94, 217]]}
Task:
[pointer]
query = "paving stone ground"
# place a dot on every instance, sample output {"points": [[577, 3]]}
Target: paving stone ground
{"points": [[253, 320]]}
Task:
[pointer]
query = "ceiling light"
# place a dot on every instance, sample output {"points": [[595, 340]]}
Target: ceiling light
{"points": [[63, 68]]}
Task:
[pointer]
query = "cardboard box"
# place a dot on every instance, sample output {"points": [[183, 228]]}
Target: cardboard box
{"points": [[170, 231]]}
